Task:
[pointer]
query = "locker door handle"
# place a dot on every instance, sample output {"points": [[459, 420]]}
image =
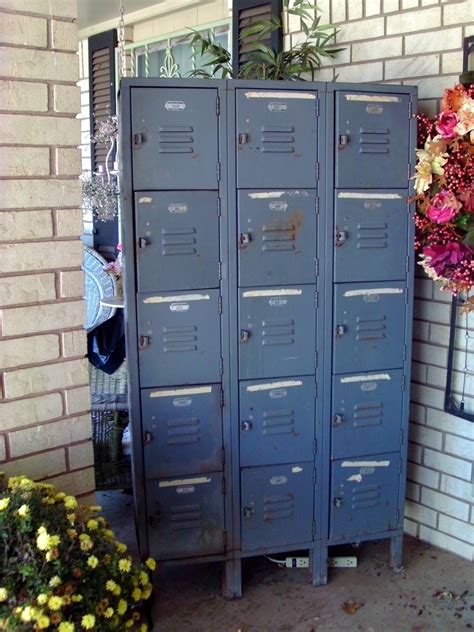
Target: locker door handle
{"points": [[142, 243], [143, 342], [243, 139], [246, 425], [247, 512], [244, 239], [147, 437], [244, 335], [340, 330], [139, 139], [341, 237], [337, 420], [343, 141], [337, 502]]}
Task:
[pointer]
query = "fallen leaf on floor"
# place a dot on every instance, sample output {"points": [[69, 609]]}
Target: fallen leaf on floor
{"points": [[351, 607], [445, 594]]}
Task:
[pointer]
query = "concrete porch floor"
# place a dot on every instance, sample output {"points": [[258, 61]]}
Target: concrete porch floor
{"points": [[435, 592]]}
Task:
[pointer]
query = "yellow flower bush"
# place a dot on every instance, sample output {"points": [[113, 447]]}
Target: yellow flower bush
{"points": [[65, 572]]}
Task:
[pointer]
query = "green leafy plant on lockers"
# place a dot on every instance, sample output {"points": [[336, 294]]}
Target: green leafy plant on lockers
{"points": [[262, 62]]}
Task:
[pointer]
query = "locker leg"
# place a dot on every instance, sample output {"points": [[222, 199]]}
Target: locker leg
{"points": [[396, 551], [318, 565], [232, 579]]}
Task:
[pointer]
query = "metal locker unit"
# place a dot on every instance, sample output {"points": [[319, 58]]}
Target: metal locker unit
{"points": [[368, 307], [267, 241], [175, 246]]}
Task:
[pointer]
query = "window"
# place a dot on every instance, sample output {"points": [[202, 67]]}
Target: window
{"points": [[460, 380], [174, 56]]}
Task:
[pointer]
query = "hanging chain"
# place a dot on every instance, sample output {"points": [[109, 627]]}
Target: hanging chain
{"points": [[121, 43]]}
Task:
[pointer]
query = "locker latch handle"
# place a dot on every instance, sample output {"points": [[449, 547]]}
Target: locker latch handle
{"points": [[143, 342], [340, 330], [247, 512], [147, 437], [341, 237], [337, 502], [138, 139], [243, 139], [244, 335], [142, 243], [343, 141], [244, 239], [337, 420], [246, 425]]}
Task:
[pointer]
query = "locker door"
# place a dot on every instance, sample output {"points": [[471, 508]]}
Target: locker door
{"points": [[178, 240], [371, 236], [372, 140], [277, 421], [276, 505], [179, 338], [367, 413], [182, 429], [369, 326], [186, 516], [175, 138], [364, 496], [277, 237], [276, 138], [277, 332]]}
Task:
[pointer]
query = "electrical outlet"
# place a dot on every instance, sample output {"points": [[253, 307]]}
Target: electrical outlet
{"points": [[297, 562]]}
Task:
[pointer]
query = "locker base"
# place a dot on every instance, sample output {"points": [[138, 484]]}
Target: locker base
{"points": [[232, 579], [318, 566], [396, 552]]}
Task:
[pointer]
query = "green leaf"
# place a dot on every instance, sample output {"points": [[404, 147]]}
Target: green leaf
{"points": [[469, 239]]}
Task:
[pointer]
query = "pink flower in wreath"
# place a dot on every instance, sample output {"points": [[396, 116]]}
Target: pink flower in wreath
{"points": [[444, 256], [447, 121], [444, 206]]}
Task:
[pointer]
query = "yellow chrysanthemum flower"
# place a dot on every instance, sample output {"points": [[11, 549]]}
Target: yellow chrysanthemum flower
{"points": [[110, 585], [71, 517], [151, 564], [72, 533], [64, 626], [4, 502], [109, 613], [136, 594], [125, 565], [88, 621], [55, 603], [70, 502], [55, 581], [27, 614], [42, 541], [86, 542], [108, 533], [42, 598], [92, 561], [76, 598], [23, 511], [3, 594], [146, 592], [129, 623], [95, 508], [121, 548], [92, 524], [117, 590], [122, 607], [143, 627], [54, 540], [42, 622]]}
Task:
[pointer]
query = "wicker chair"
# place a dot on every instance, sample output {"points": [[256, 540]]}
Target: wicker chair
{"points": [[99, 284]]}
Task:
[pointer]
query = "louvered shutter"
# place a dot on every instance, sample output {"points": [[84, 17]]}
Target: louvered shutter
{"points": [[244, 14], [102, 105]]}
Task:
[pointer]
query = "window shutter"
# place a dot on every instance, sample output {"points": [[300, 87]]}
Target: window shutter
{"points": [[102, 105], [245, 13]]}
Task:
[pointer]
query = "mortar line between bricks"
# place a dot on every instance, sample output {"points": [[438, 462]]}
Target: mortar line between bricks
{"points": [[34, 14], [84, 413], [81, 469], [37, 273], [41, 333]]}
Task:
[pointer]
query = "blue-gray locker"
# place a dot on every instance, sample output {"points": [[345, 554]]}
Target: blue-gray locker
{"points": [[186, 516], [364, 496], [177, 240], [179, 338], [367, 413], [372, 140], [276, 138], [175, 138], [276, 505], [277, 336], [370, 235], [182, 430], [277, 421], [369, 326], [277, 237]]}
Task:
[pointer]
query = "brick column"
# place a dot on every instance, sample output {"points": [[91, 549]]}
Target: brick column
{"points": [[45, 426]]}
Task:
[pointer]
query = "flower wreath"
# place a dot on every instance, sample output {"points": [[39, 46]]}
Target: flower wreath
{"points": [[444, 184]]}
